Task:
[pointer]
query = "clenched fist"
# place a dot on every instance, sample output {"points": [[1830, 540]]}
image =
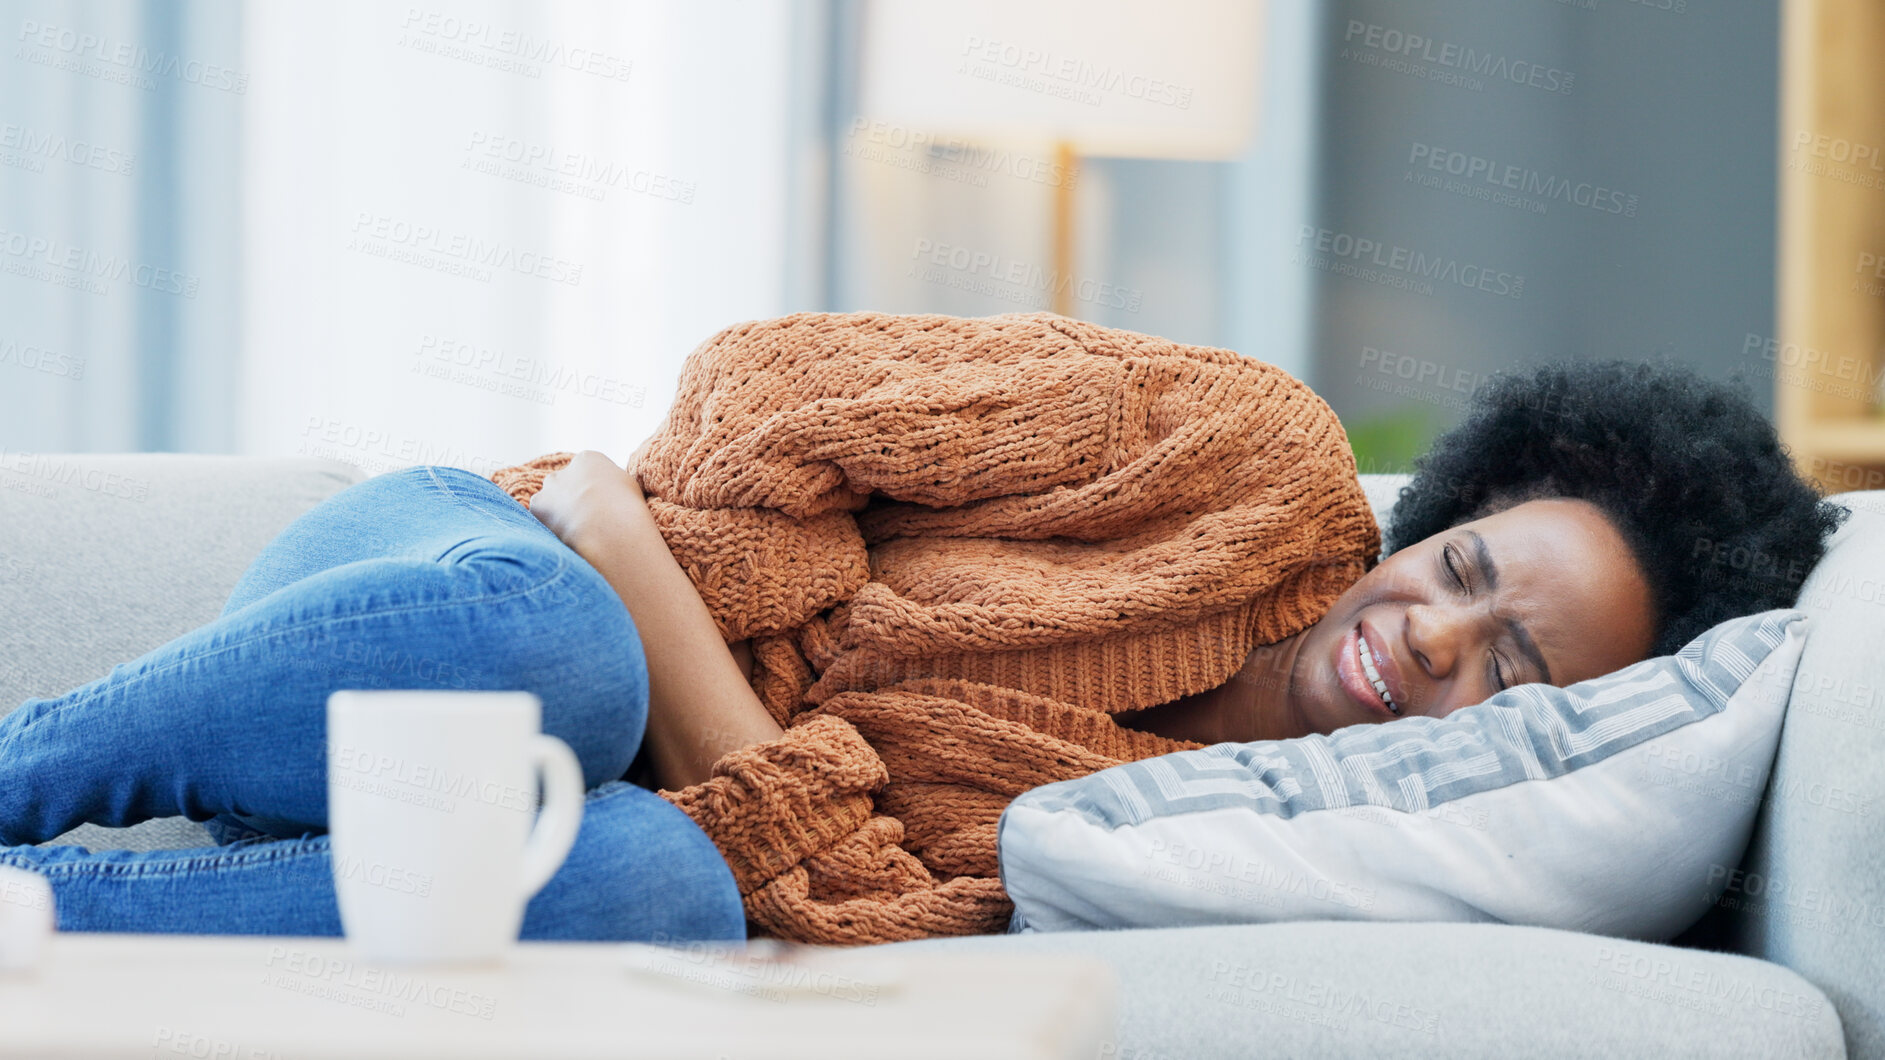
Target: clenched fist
{"points": [[580, 501]]}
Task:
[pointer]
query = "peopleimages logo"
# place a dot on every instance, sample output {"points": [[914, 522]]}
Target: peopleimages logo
{"points": [[1315, 1001], [988, 273], [1656, 976], [1431, 160], [386, 990], [67, 265], [1837, 158], [125, 62], [39, 359], [530, 378], [34, 143], [550, 166], [504, 49], [1078, 79], [1839, 149], [1811, 368], [379, 451], [1397, 49], [948, 157], [1379, 262], [453, 253], [66, 471]]}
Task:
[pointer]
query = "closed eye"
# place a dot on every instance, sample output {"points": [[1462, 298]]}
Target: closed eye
{"points": [[1454, 571], [1446, 557]]}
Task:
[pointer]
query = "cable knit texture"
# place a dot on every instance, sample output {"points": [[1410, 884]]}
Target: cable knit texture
{"points": [[958, 545]]}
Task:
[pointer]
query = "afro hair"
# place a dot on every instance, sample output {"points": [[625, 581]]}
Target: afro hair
{"points": [[1688, 470]]}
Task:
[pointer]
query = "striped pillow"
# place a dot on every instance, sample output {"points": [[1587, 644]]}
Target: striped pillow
{"points": [[1616, 806]]}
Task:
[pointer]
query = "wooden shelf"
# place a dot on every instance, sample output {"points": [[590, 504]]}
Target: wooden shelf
{"points": [[1859, 441], [1830, 319]]}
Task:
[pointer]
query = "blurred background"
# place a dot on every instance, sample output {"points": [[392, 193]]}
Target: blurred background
{"points": [[468, 233]]}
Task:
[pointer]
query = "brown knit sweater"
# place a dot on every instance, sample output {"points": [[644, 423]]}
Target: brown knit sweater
{"points": [[958, 546]]}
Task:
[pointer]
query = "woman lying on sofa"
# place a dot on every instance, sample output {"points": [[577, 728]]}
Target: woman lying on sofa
{"points": [[877, 575]]}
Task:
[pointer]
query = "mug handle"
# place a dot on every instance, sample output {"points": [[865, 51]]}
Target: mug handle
{"points": [[562, 814]]}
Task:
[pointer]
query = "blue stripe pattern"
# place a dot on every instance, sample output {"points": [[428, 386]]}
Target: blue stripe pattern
{"points": [[1529, 732]]}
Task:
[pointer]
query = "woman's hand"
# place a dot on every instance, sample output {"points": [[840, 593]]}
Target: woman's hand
{"points": [[701, 702], [580, 501]]}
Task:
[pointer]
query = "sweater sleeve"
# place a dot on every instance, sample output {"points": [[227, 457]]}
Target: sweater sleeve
{"points": [[794, 819], [522, 481], [770, 806], [760, 572]]}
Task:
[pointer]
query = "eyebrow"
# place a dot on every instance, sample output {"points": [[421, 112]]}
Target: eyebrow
{"points": [[1490, 571]]}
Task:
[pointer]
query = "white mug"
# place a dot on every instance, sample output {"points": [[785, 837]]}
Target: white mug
{"points": [[430, 801], [26, 919]]}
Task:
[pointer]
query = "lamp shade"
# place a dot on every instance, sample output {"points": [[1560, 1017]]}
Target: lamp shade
{"points": [[1114, 78]]}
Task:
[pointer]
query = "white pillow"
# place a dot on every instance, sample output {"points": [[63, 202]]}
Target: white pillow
{"points": [[1616, 806]]}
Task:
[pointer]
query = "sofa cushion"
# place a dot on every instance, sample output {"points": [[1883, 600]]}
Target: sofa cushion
{"points": [[103, 558], [1382, 491], [1563, 807], [1336, 989]]}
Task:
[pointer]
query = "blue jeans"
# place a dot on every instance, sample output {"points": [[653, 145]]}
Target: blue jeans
{"points": [[430, 577]]}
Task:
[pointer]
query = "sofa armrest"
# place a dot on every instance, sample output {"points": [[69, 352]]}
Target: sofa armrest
{"points": [[1810, 891]]}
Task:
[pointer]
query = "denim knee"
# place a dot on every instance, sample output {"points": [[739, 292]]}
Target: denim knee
{"points": [[561, 631], [506, 561], [611, 681], [641, 871]]}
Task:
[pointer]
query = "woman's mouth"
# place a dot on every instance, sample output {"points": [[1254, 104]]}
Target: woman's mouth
{"points": [[1360, 675]]}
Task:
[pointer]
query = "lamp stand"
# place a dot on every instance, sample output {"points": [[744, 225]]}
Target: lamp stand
{"points": [[1063, 229]]}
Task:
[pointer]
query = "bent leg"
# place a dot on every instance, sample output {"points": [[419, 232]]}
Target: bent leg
{"points": [[413, 512], [640, 871], [230, 719]]}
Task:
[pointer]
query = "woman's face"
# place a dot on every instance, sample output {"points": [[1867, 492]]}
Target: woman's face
{"points": [[1544, 591]]}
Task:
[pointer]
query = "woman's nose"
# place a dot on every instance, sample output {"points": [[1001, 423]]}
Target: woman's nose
{"points": [[1439, 636]]}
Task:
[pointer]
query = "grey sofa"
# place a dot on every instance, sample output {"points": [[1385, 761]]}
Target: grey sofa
{"points": [[105, 557]]}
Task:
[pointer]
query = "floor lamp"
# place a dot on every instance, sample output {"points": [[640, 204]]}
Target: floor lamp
{"points": [[1177, 79]]}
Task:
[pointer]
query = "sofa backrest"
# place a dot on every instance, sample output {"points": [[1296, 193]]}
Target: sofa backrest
{"points": [[104, 557], [1382, 490]]}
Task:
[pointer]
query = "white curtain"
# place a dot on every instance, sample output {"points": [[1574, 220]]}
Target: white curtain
{"points": [[119, 285], [475, 232]]}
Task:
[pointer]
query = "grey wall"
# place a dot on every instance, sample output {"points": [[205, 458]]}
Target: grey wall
{"points": [[1670, 111]]}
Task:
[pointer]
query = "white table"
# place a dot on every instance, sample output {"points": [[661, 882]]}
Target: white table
{"points": [[254, 998]]}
